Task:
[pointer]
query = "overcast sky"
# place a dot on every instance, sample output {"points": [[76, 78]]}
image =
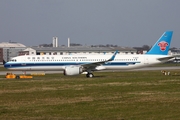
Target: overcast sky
{"points": [[132, 23]]}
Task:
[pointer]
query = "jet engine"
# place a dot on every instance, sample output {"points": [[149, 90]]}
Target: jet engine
{"points": [[73, 70]]}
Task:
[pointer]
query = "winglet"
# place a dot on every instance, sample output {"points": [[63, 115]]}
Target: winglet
{"points": [[114, 55]]}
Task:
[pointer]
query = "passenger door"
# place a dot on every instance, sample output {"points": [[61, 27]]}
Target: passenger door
{"points": [[146, 60]]}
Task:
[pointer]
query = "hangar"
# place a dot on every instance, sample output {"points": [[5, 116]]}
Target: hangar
{"points": [[10, 49], [76, 50]]}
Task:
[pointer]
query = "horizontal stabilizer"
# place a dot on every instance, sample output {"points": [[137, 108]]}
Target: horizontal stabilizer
{"points": [[165, 58]]}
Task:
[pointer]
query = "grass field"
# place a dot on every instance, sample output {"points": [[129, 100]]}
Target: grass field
{"points": [[144, 95], [3, 69]]}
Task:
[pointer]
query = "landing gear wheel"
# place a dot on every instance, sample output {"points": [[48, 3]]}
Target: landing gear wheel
{"points": [[17, 77], [89, 75]]}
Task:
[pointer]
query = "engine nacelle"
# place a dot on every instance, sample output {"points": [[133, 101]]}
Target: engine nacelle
{"points": [[73, 70]]}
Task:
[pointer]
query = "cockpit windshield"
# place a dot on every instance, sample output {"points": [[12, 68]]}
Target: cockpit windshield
{"points": [[12, 60]]}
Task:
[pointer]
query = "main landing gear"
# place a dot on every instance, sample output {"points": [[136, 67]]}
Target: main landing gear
{"points": [[89, 75]]}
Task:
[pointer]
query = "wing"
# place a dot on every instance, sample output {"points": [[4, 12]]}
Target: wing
{"points": [[93, 65]]}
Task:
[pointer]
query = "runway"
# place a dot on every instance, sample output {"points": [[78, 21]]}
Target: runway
{"points": [[51, 72], [158, 68]]}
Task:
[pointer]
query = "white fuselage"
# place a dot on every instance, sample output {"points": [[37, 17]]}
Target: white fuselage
{"points": [[59, 62]]}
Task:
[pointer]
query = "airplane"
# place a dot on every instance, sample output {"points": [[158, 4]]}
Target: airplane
{"points": [[79, 64]]}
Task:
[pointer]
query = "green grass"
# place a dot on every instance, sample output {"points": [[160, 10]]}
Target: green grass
{"points": [[3, 69], [146, 95]]}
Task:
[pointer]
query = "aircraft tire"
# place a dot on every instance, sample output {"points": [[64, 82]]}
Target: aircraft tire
{"points": [[89, 75], [17, 77]]}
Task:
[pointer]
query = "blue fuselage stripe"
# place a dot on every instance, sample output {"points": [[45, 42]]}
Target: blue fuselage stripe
{"points": [[11, 65]]}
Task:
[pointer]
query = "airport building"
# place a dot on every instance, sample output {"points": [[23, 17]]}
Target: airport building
{"points": [[71, 50], [9, 50], [176, 51], [76, 50]]}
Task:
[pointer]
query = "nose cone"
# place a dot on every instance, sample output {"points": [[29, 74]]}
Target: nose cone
{"points": [[6, 65]]}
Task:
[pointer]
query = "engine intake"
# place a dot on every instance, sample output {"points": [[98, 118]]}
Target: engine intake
{"points": [[73, 70]]}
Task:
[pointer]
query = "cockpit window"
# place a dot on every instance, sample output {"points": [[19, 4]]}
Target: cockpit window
{"points": [[13, 60]]}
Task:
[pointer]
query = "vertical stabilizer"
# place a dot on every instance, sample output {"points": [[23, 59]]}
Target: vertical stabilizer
{"points": [[161, 47]]}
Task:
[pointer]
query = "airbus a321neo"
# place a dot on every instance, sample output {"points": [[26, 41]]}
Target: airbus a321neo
{"points": [[78, 64]]}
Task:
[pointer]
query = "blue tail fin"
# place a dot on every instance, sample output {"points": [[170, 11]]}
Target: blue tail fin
{"points": [[161, 47]]}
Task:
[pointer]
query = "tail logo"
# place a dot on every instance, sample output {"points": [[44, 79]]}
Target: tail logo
{"points": [[163, 45]]}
